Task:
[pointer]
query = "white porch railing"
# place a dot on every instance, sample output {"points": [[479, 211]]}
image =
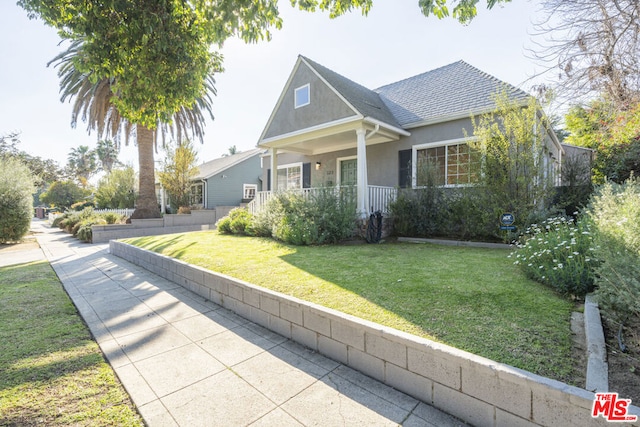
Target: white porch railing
{"points": [[379, 197]]}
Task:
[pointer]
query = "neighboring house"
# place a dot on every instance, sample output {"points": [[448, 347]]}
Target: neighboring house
{"points": [[327, 130], [227, 181]]}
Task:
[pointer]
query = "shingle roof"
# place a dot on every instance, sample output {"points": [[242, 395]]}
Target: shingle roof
{"points": [[455, 89], [366, 101], [216, 166]]}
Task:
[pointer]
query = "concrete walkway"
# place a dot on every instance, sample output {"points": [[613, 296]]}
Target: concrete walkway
{"points": [[186, 361]]}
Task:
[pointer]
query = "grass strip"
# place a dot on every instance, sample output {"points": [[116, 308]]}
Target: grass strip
{"points": [[474, 299], [51, 371]]}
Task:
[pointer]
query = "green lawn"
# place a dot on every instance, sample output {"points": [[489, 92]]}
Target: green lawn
{"points": [[51, 372], [471, 298]]}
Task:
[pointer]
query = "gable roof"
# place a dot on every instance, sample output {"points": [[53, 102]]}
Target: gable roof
{"points": [[216, 166], [453, 91], [366, 101]]}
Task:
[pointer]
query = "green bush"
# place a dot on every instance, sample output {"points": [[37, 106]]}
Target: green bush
{"points": [[328, 216], [113, 218], [419, 212], [79, 206], [615, 213], [57, 220], [16, 201], [559, 253], [83, 228], [237, 222]]}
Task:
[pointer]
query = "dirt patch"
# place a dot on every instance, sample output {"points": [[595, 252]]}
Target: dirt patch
{"points": [[624, 367], [29, 242]]}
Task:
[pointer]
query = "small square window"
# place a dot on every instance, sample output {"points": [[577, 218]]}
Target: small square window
{"points": [[302, 96]]}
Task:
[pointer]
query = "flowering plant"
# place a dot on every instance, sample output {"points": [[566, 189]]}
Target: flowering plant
{"points": [[558, 252]]}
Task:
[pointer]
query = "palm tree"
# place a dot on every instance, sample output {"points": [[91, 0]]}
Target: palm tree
{"points": [[232, 150], [107, 153], [94, 106], [82, 161]]}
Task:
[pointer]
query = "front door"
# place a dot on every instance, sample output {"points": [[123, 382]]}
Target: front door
{"points": [[349, 172]]}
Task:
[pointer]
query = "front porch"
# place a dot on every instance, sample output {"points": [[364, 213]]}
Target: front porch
{"points": [[379, 197]]}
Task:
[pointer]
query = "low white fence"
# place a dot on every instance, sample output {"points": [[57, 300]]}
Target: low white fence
{"points": [[123, 212]]}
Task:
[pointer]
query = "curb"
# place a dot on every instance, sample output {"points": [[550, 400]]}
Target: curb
{"points": [[597, 367]]}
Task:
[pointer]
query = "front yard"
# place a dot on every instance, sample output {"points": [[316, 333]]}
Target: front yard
{"points": [[474, 299]]}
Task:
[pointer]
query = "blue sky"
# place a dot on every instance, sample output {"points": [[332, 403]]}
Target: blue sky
{"points": [[394, 42]]}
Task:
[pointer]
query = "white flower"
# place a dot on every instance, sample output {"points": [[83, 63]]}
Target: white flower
{"points": [[560, 265]]}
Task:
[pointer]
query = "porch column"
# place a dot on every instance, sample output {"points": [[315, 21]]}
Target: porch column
{"points": [[362, 184], [274, 169]]}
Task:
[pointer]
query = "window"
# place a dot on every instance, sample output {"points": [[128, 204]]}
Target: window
{"points": [[302, 96], [448, 165], [196, 196], [290, 177], [249, 191]]}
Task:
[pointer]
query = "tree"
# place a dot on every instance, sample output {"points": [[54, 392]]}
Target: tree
{"points": [[93, 104], [511, 144], [82, 162], [232, 150], [44, 170], [595, 46], [9, 144], [154, 58], [107, 153], [179, 168], [62, 194], [614, 135], [117, 189], [16, 208]]}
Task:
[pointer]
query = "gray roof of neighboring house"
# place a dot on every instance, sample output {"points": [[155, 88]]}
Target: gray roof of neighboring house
{"points": [[216, 166], [366, 101], [453, 90]]}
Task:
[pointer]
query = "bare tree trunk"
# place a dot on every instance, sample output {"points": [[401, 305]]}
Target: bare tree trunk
{"points": [[147, 202]]}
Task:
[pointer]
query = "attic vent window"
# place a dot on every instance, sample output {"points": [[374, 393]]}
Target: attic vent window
{"points": [[302, 96]]}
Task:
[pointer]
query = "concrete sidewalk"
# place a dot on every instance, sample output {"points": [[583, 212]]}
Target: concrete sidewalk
{"points": [[189, 362]]}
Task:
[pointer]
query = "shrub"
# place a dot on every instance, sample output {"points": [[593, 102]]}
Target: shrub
{"points": [[113, 218], [79, 206], [559, 253], [237, 222], [84, 231], [419, 212], [326, 217], [615, 212], [16, 201]]}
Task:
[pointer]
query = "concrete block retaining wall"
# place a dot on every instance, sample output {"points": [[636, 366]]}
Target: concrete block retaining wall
{"points": [[198, 220], [477, 390]]}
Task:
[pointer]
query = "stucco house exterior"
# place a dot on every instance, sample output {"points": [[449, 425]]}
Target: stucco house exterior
{"points": [[327, 130], [227, 181]]}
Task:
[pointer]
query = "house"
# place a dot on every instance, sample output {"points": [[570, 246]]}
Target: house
{"points": [[227, 181], [327, 130]]}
